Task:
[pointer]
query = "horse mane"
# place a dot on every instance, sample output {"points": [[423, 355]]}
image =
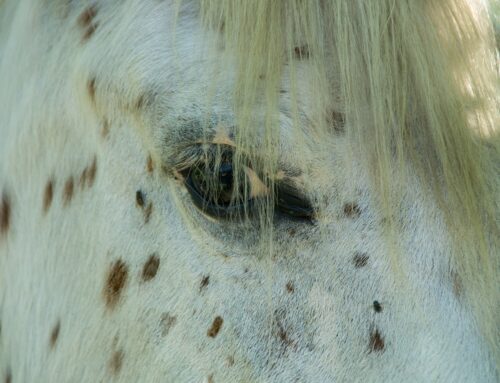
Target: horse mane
{"points": [[415, 82]]}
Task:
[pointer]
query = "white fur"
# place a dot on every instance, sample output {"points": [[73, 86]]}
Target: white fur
{"points": [[53, 266]]}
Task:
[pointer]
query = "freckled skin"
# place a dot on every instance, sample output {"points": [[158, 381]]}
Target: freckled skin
{"points": [[360, 260], [48, 195], [116, 281], [5, 213], [68, 191], [87, 23], [91, 88], [123, 286], [150, 268], [54, 335], [150, 164], [204, 282], [352, 210], [139, 198], [216, 327], [376, 342], [92, 171], [105, 129], [116, 362]]}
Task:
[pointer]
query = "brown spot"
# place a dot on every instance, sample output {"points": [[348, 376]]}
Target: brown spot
{"points": [[283, 336], [292, 232], [360, 260], [281, 332], [147, 212], [457, 285], [167, 321], [204, 282], [376, 342], [87, 22], [90, 31], [139, 198], [116, 362], [105, 128], [301, 52], [55, 334], [48, 195], [150, 164], [210, 378], [69, 188], [337, 121], [87, 16], [87, 177], [150, 268], [222, 26], [215, 328], [8, 376], [377, 306], [140, 102], [230, 361], [289, 287], [5, 210], [91, 89], [83, 178], [91, 172], [115, 282], [352, 210]]}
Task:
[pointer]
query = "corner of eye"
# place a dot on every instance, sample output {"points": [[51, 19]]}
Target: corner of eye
{"points": [[223, 137], [280, 175], [257, 187], [178, 175]]}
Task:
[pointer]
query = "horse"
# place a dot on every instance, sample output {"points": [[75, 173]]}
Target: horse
{"points": [[248, 191]]}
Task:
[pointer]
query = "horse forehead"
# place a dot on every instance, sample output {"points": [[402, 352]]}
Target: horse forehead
{"points": [[173, 62]]}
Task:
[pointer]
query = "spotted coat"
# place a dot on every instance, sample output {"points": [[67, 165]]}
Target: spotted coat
{"points": [[109, 273]]}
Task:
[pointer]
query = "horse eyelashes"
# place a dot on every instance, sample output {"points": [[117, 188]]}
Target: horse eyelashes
{"points": [[215, 191], [211, 184], [289, 201]]}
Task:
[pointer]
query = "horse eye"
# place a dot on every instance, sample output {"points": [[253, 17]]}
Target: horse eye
{"points": [[214, 191], [213, 188]]}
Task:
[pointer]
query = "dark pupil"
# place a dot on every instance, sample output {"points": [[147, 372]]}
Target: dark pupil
{"points": [[225, 184], [226, 176], [216, 184]]}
